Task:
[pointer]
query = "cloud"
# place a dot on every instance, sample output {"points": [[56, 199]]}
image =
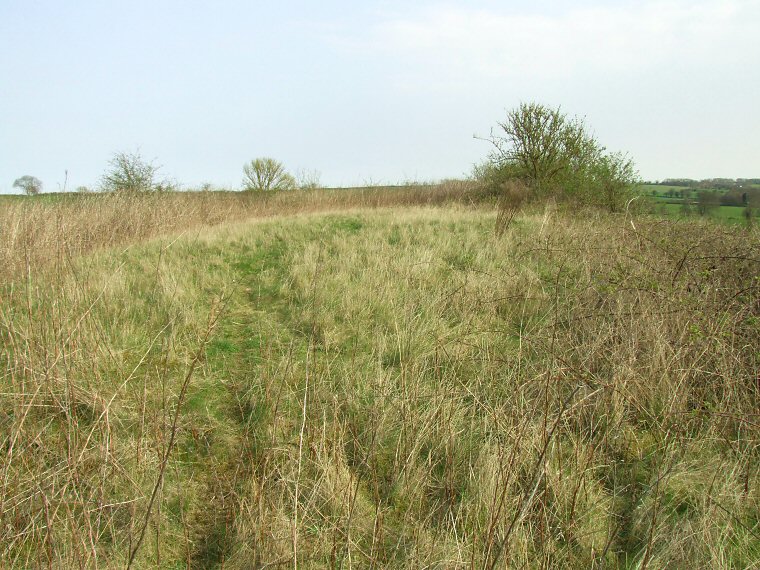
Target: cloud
{"points": [[617, 39]]}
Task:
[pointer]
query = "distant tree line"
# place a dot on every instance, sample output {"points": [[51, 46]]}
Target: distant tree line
{"points": [[710, 183], [129, 172]]}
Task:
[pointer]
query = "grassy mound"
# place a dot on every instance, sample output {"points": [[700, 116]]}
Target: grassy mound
{"points": [[391, 389]]}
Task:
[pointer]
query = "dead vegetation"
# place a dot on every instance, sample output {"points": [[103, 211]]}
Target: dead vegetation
{"points": [[383, 389], [54, 227]]}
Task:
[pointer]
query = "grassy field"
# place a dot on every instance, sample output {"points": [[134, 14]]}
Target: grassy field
{"points": [[384, 383], [668, 202], [36, 231], [660, 190], [732, 215]]}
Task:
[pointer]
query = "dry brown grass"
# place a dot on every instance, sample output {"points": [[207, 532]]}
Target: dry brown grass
{"points": [[387, 389], [39, 231]]}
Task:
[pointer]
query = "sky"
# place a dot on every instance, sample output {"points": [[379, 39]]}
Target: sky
{"points": [[368, 92]]}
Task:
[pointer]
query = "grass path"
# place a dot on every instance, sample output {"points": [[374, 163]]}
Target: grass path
{"points": [[395, 389]]}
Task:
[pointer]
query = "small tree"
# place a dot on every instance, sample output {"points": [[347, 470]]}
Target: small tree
{"points": [[541, 144], [556, 155], [29, 184], [128, 172], [686, 208], [266, 174], [707, 201]]}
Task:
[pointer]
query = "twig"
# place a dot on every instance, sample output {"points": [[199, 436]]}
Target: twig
{"points": [[213, 319]]}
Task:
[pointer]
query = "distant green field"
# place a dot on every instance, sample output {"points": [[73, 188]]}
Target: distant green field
{"points": [[649, 189], [669, 202], [725, 214], [660, 191], [51, 197]]}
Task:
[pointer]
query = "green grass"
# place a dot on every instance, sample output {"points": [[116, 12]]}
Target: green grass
{"points": [[660, 189], [389, 389], [731, 215], [673, 206]]}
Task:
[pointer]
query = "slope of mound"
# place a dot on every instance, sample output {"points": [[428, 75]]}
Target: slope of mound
{"points": [[389, 389]]}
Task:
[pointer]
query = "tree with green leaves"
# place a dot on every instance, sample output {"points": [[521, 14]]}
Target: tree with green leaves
{"points": [[554, 154], [540, 143], [614, 177], [128, 172]]}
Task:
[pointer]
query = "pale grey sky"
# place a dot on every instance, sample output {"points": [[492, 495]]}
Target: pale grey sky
{"points": [[383, 91]]}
